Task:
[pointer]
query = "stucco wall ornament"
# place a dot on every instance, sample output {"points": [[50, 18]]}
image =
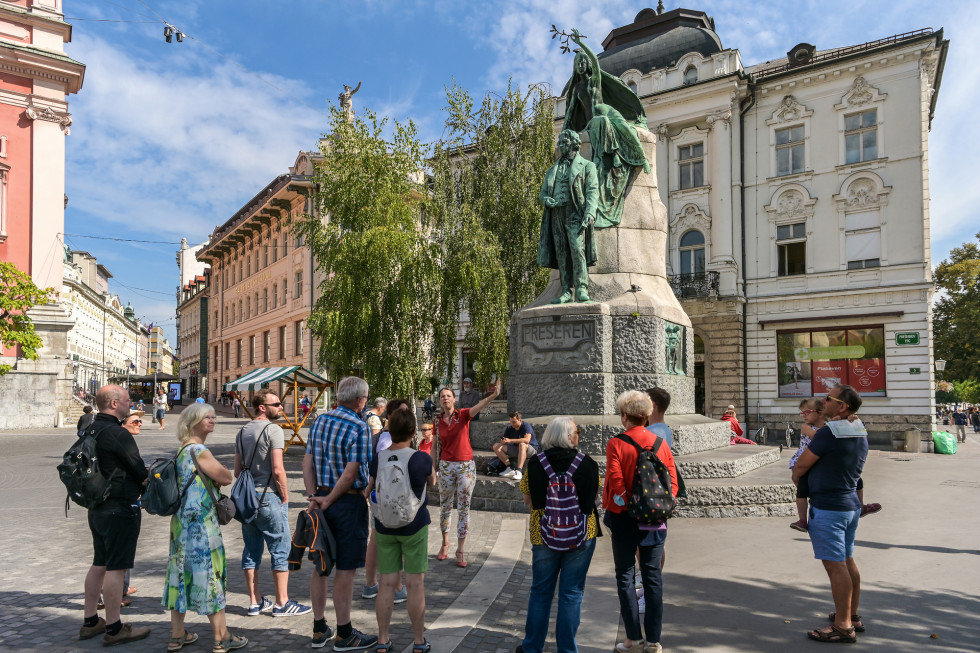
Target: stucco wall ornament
{"points": [[50, 115], [861, 194], [861, 93], [789, 110], [790, 202], [724, 116], [662, 130]]}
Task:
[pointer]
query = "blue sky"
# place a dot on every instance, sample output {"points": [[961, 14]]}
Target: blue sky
{"points": [[170, 140]]}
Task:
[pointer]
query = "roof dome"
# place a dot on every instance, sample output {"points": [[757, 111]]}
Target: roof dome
{"points": [[659, 50]]}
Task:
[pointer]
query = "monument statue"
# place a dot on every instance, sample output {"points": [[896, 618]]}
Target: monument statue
{"points": [[345, 101], [606, 107], [567, 243]]}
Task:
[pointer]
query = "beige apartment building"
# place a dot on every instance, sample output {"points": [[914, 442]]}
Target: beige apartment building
{"points": [[261, 283]]}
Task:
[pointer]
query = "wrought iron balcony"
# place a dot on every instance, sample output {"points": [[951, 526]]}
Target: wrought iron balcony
{"points": [[704, 284]]}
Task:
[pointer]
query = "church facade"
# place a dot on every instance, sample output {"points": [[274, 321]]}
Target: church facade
{"points": [[798, 199]]}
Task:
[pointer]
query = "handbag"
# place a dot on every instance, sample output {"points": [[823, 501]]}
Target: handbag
{"points": [[223, 506]]}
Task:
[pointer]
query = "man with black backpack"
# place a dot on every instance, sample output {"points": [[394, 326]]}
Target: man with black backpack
{"points": [[115, 522], [639, 496], [258, 451]]}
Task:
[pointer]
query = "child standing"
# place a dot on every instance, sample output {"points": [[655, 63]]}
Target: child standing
{"points": [[812, 412]]}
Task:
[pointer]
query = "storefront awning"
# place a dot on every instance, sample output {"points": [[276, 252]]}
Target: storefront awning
{"points": [[262, 376]]}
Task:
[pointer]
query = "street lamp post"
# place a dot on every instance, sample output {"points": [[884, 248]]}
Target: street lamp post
{"points": [[940, 367], [129, 366]]}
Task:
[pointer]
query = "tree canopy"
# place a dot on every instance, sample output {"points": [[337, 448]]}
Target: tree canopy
{"points": [[17, 295], [956, 314]]}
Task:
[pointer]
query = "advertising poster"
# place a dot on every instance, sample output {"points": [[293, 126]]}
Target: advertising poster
{"points": [[827, 374], [867, 376], [794, 365]]}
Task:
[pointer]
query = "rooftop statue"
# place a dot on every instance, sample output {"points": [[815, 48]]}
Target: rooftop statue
{"points": [[346, 104], [605, 107]]}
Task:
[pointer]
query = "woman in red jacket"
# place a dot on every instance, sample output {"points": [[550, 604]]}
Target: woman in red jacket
{"points": [[627, 534]]}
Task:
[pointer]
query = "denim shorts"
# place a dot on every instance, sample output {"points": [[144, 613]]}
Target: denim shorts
{"points": [[832, 533], [269, 528], [161, 414]]}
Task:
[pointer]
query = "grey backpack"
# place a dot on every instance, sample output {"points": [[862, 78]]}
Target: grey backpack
{"points": [[397, 504]]}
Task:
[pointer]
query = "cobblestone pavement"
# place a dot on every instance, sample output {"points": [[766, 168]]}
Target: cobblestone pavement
{"points": [[730, 584]]}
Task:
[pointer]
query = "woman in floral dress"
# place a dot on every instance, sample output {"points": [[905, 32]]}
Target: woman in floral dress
{"points": [[196, 570]]}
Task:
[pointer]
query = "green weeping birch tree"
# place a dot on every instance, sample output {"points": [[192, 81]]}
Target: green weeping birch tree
{"points": [[17, 295]]}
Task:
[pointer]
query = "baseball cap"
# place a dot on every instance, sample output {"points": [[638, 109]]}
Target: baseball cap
{"points": [[731, 406]]}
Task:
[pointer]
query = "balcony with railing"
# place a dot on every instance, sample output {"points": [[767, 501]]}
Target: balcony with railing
{"points": [[689, 286]]}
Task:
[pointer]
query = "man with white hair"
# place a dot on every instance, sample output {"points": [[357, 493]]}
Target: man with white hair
{"points": [[373, 416], [335, 473]]}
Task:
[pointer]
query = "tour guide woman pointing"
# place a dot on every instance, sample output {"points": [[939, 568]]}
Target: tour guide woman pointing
{"points": [[457, 471]]}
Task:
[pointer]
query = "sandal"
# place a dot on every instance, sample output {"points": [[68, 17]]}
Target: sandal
{"points": [[177, 643], [833, 635], [383, 648], [443, 552], [856, 621], [126, 602], [461, 559], [232, 643], [424, 647], [131, 590]]}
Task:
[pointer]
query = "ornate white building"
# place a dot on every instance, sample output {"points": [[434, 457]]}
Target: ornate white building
{"points": [[798, 200]]}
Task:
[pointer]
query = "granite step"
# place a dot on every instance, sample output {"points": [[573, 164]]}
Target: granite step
{"points": [[726, 462]]}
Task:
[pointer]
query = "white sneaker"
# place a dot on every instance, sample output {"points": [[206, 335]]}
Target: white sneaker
{"points": [[509, 473], [518, 475], [654, 648]]}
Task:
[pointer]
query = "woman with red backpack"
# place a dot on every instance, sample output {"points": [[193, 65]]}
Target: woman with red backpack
{"points": [[629, 529], [560, 488]]}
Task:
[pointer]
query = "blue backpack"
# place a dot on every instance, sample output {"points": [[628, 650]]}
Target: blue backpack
{"points": [[563, 524], [243, 491]]}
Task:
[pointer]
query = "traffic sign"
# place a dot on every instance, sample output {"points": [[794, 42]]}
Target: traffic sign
{"points": [[907, 338]]}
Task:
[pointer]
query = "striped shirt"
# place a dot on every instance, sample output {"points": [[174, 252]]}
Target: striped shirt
{"points": [[336, 438]]}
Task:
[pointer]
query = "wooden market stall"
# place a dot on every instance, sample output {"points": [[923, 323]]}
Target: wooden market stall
{"points": [[293, 378]]}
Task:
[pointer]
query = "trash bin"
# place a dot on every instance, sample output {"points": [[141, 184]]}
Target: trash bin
{"points": [[913, 441]]}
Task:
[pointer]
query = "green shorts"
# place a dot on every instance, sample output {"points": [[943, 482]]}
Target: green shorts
{"points": [[414, 549]]}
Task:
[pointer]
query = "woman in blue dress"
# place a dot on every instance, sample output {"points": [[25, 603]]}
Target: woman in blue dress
{"points": [[196, 571]]}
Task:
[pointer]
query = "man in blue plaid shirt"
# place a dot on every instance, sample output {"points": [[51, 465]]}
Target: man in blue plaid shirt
{"points": [[335, 472]]}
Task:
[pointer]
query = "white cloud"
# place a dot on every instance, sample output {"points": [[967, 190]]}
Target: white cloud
{"points": [[174, 145]]}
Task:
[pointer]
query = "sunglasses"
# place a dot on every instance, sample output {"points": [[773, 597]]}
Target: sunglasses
{"points": [[137, 421], [840, 401], [277, 404]]}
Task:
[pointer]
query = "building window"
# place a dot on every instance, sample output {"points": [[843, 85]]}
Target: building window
{"points": [[285, 291], [633, 88], [225, 310], [298, 338], [238, 355], [299, 285], [692, 253], [275, 295], [227, 356], [282, 342], [810, 363], [265, 299], [241, 311], [275, 250], [248, 307], [216, 366], [861, 136], [266, 346], [241, 270], [299, 240], [789, 151], [791, 244], [216, 325], [248, 267], [691, 163], [265, 256], [690, 75], [862, 240], [251, 350]]}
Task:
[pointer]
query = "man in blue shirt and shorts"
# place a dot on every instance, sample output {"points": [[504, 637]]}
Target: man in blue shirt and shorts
{"points": [[834, 465]]}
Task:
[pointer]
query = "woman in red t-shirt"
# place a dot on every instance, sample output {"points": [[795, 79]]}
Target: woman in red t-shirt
{"points": [[457, 471], [628, 535]]}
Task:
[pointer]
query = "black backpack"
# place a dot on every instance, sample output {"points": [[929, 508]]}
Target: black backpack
{"points": [[163, 495], [79, 471], [651, 501]]}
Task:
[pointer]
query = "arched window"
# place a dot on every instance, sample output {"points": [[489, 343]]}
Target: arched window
{"points": [[690, 75], [633, 88], [692, 253]]}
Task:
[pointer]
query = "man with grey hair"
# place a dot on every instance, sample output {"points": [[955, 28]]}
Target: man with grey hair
{"points": [[373, 416], [115, 523], [567, 242], [335, 473]]}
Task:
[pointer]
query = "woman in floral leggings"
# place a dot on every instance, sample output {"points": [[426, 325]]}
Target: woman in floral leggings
{"points": [[457, 472]]}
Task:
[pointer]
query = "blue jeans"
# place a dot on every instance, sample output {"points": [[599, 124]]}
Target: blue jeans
{"points": [[270, 528], [567, 569], [626, 539]]}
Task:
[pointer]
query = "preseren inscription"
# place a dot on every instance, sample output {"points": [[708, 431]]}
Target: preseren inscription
{"points": [[558, 336]]}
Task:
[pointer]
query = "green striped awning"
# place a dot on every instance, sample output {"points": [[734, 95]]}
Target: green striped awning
{"points": [[262, 376]]}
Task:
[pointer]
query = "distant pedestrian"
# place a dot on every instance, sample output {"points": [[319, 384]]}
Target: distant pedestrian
{"points": [[516, 446], [425, 442], [335, 471], [975, 419], [656, 423], [115, 523], [959, 422], [160, 406], [564, 567], [259, 445], [237, 406], [375, 417], [457, 471], [833, 466], [628, 534], [88, 416], [736, 437], [196, 570], [405, 546]]}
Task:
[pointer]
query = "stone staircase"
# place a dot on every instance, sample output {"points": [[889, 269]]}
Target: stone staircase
{"points": [[721, 480]]}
